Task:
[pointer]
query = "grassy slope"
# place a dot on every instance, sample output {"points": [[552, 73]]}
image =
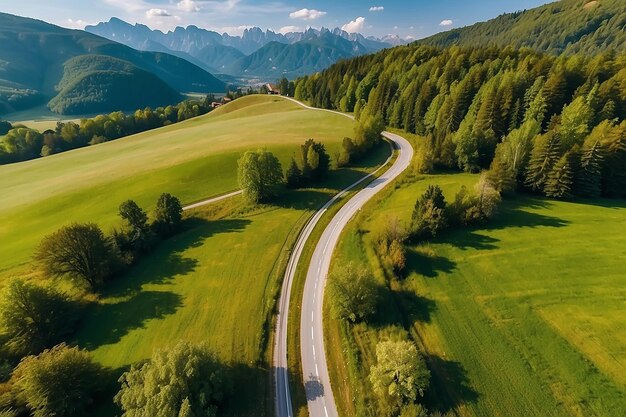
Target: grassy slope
{"points": [[192, 160], [522, 317], [214, 283]]}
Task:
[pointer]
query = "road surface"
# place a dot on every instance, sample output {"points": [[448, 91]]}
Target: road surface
{"points": [[320, 398]]}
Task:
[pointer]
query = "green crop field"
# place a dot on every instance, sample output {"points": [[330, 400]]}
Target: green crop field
{"points": [[215, 282], [524, 316]]}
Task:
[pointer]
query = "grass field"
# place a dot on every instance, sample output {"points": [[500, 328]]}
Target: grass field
{"points": [[522, 317], [216, 282], [192, 160]]}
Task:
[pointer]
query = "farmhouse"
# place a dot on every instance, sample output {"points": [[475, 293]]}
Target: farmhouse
{"points": [[272, 89]]}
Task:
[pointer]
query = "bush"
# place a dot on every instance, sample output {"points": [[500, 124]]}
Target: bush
{"points": [[390, 245], [35, 318], [354, 293], [186, 380], [58, 382]]}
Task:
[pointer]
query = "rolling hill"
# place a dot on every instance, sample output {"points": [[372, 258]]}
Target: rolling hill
{"points": [[570, 26], [33, 55]]}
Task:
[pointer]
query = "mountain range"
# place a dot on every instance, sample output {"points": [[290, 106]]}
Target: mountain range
{"points": [[78, 72], [256, 53]]}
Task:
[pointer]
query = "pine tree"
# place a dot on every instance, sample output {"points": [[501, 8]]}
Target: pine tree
{"points": [[293, 175], [545, 154], [590, 170], [561, 178]]}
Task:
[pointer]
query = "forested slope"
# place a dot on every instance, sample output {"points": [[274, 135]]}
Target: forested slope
{"points": [[570, 26], [554, 125]]}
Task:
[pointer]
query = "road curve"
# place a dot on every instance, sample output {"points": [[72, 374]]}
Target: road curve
{"points": [[314, 367]]}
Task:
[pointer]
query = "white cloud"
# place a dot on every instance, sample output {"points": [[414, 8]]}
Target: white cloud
{"points": [[188, 6], [446, 22], [307, 14], [396, 28], [287, 29], [377, 9], [235, 30], [354, 26], [76, 24], [412, 27], [158, 13]]}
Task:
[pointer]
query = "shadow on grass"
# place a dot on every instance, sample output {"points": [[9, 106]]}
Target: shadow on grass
{"points": [[450, 385], [411, 308], [108, 323], [428, 266]]}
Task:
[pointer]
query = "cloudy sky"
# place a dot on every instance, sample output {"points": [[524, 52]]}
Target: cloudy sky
{"points": [[406, 18]]}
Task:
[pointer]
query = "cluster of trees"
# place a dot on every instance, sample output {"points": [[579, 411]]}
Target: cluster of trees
{"points": [[310, 166], [22, 143], [84, 253], [432, 214], [260, 174], [367, 135], [524, 114], [183, 381]]}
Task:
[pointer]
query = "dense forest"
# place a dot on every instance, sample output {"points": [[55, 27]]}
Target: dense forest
{"points": [[553, 125], [570, 26]]}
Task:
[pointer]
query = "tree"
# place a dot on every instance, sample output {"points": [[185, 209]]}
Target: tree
{"points": [[293, 175], [546, 152], [488, 198], [34, 317], [575, 120], [58, 382], [561, 178], [353, 292], [137, 223], [259, 175], [185, 380], [429, 213], [80, 251], [400, 372], [315, 161], [168, 215], [588, 184]]}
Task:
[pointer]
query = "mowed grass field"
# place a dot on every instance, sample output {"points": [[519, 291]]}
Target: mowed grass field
{"points": [[214, 283], [525, 316], [192, 160]]}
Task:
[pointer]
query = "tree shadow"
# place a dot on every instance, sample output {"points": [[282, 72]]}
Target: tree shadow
{"points": [[450, 386], [108, 323], [428, 266], [511, 217], [466, 239], [313, 388], [303, 199], [412, 307], [167, 260]]}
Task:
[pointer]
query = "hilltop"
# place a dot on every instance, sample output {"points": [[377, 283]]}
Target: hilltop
{"points": [[569, 26]]}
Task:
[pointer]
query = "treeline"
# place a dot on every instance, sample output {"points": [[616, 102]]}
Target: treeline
{"points": [[529, 117]]}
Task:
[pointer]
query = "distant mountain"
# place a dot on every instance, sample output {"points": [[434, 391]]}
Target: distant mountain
{"points": [[35, 67], [251, 53], [306, 56], [570, 26]]}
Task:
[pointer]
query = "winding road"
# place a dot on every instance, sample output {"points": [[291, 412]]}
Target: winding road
{"points": [[319, 394]]}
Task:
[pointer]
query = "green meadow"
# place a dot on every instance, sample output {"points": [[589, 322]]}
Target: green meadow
{"points": [[524, 316], [215, 282], [192, 160]]}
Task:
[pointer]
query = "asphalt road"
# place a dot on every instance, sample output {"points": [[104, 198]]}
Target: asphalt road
{"points": [[316, 379]]}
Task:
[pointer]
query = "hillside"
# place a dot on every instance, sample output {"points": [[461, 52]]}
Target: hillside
{"points": [[93, 83], [570, 26], [33, 54]]}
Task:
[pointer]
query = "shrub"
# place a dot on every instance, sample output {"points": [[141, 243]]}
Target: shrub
{"points": [[353, 292]]}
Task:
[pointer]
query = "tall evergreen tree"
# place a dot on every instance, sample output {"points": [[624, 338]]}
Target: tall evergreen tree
{"points": [[561, 178], [590, 170], [545, 154]]}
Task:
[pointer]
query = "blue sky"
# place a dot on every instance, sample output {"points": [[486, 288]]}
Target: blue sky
{"points": [[412, 18]]}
